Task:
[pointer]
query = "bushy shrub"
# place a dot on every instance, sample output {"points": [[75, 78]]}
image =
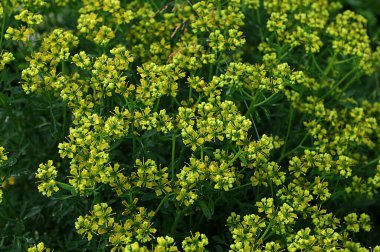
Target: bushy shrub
{"points": [[240, 125]]}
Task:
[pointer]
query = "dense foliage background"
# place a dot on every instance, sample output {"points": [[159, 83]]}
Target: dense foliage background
{"points": [[33, 122]]}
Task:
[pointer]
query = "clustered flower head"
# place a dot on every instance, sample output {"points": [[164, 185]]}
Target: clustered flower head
{"points": [[171, 109], [350, 38], [5, 58], [3, 155], [26, 16], [40, 247], [46, 175]]}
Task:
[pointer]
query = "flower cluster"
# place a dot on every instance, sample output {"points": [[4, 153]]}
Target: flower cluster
{"points": [[40, 247], [5, 58], [350, 38], [27, 16], [46, 174], [298, 23], [3, 155], [327, 231]]}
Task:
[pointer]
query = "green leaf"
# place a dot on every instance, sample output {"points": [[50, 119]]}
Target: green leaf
{"points": [[33, 212], [3, 99], [205, 209], [67, 187], [148, 134], [219, 239], [148, 196], [219, 248], [63, 197], [10, 162], [245, 162]]}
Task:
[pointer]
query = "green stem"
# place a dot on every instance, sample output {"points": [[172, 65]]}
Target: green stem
{"points": [[210, 70], [173, 155], [262, 237], [63, 67], [63, 130], [329, 66], [344, 61], [271, 188], [157, 104], [235, 157], [2, 30], [51, 112], [176, 101], [133, 143], [258, 11], [249, 96], [239, 187], [162, 202], [316, 63], [253, 106], [177, 218], [64, 186], [290, 122], [254, 126], [350, 82], [190, 92], [370, 163], [339, 82], [152, 2], [291, 151]]}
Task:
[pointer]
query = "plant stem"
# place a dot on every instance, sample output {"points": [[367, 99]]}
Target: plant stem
{"points": [[370, 163], [63, 67], [173, 155], [258, 11], [239, 187], [162, 202], [52, 113], [262, 237], [329, 66], [2, 30], [254, 126], [235, 157], [291, 115], [133, 143], [63, 130], [253, 106], [190, 92], [316, 63], [339, 82], [177, 218], [289, 152]]}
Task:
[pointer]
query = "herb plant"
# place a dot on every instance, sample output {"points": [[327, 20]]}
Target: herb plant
{"points": [[240, 125]]}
